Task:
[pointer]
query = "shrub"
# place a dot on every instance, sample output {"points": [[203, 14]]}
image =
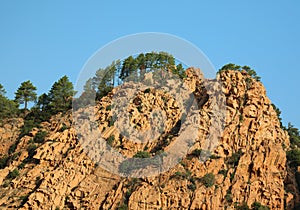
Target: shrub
{"points": [[123, 207], [223, 172], [259, 206], [5, 183], [142, 154], [208, 180], [12, 148], [22, 165], [228, 196], [214, 157], [31, 150], [192, 187], [3, 162], [232, 176], [40, 137], [13, 174], [63, 128], [110, 140], [234, 158], [243, 206], [148, 90], [108, 108], [196, 152], [24, 199]]}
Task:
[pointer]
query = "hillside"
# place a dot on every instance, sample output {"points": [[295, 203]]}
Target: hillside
{"points": [[49, 168]]}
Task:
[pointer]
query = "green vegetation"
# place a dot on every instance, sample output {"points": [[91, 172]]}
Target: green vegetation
{"points": [[259, 206], [25, 93], [132, 68], [208, 180], [3, 161], [242, 206], [61, 95], [13, 174], [223, 172], [9, 108], [123, 207], [228, 196], [23, 199], [110, 140], [234, 158], [40, 136], [235, 67], [31, 150], [196, 152], [142, 154], [63, 128]]}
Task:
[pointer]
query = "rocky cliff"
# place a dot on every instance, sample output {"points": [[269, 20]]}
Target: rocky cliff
{"points": [[247, 166]]}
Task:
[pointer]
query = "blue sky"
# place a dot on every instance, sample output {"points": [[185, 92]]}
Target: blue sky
{"points": [[42, 41]]}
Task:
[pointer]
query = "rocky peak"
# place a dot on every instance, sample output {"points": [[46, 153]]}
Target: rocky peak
{"points": [[51, 170]]}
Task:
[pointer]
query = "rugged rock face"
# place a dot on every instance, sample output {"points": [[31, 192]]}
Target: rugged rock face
{"points": [[247, 165], [9, 132]]}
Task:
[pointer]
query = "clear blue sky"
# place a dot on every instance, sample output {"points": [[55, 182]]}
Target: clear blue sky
{"points": [[44, 40]]}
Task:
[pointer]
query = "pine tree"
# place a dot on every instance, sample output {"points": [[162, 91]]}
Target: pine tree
{"points": [[9, 108], [2, 90], [25, 93], [61, 95]]}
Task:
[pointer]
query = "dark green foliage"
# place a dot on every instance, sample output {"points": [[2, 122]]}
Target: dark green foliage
{"points": [[14, 156], [243, 206], [259, 206], [8, 108], [294, 135], [40, 136], [60, 95], [22, 165], [110, 140], [214, 157], [232, 66], [293, 157], [29, 124], [192, 187], [142, 154], [12, 148], [108, 108], [13, 174], [131, 185], [196, 152], [2, 90], [278, 112], [148, 90], [234, 158], [6, 183], [63, 128], [130, 69], [232, 176], [31, 150], [23, 199], [3, 162], [123, 207], [208, 180], [223, 172], [228, 196], [25, 93]]}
